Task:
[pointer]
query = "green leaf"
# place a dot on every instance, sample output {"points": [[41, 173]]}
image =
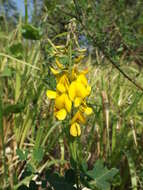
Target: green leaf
{"points": [[6, 72], [70, 176], [59, 182], [22, 155], [31, 32], [101, 176], [38, 154]]}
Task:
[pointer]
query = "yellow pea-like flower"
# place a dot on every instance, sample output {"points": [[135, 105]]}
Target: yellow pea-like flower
{"points": [[75, 130], [60, 101], [78, 117], [61, 114], [81, 90], [88, 110], [72, 89]]}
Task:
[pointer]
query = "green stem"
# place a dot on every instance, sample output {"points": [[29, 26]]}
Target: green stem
{"points": [[2, 136], [26, 11], [75, 157]]}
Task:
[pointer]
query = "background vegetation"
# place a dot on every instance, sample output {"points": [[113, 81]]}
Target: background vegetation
{"points": [[34, 148]]}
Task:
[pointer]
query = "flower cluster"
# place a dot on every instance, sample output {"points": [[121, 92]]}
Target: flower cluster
{"points": [[72, 89]]}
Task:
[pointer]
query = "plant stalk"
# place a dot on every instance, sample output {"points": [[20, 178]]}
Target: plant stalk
{"points": [[2, 136]]}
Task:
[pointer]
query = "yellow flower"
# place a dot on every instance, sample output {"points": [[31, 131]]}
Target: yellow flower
{"points": [[72, 87], [85, 109], [63, 104], [78, 117], [63, 83], [78, 89], [75, 127], [61, 114], [75, 130]]}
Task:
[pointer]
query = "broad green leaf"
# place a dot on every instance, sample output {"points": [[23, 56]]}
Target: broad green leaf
{"points": [[38, 154], [22, 155], [70, 176], [101, 176], [59, 182]]}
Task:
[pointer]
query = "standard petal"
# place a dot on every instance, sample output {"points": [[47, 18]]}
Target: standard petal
{"points": [[51, 94], [68, 103], [61, 114], [72, 90], [81, 90], [81, 78], [59, 101], [75, 130]]}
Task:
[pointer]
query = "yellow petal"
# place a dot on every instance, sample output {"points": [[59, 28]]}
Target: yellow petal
{"points": [[61, 114], [75, 130], [88, 111], [78, 117], [68, 103], [77, 102], [61, 88], [81, 78], [88, 90], [81, 91], [60, 101], [51, 94], [72, 90], [54, 71]]}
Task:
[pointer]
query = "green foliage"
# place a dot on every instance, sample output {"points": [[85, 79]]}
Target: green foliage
{"points": [[100, 176], [31, 32], [59, 182], [22, 155], [7, 72], [38, 154], [17, 50]]}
